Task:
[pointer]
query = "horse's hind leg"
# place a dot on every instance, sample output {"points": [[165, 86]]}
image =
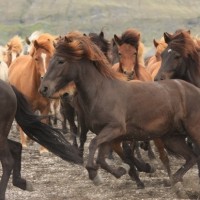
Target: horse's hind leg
{"points": [[178, 146], [7, 167], [18, 181]]}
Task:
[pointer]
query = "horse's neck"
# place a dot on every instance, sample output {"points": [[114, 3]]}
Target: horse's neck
{"points": [[193, 73], [88, 83]]}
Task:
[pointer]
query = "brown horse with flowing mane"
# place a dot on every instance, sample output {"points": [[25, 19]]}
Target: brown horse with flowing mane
{"points": [[135, 114], [181, 59], [26, 71]]}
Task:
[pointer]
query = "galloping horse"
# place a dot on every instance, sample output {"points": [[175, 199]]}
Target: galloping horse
{"points": [[130, 56], [14, 105], [134, 114], [26, 71]]}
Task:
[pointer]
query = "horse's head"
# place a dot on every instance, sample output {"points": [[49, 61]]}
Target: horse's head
{"points": [[160, 47], [42, 51], [60, 72], [127, 55], [180, 56]]}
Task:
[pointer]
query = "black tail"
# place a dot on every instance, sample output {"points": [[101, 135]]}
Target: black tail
{"points": [[42, 133]]}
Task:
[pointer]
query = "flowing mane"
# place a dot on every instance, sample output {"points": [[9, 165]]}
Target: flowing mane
{"points": [[75, 46], [46, 41], [184, 44], [132, 37], [15, 44]]}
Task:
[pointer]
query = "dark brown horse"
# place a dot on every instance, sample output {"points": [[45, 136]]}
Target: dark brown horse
{"points": [[14, 105], [134, 114], [181, 59]]}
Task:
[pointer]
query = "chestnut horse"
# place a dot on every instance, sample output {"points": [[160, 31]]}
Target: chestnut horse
{"points": [[26, 71], [130, 54], [155, 61], [14, 105], [134, 114], [14, 48]]}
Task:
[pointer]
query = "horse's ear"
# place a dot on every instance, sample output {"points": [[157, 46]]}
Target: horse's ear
{"points": [[189, 32], [27, 40], [167, 37], [36, 45], [67, 39], [117, 40], [101, 35], [139, 36], [155, 43], [8, 46]]}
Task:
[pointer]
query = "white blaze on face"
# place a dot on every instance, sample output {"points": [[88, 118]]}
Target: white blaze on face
{"points": [[169, 50], [44, 55], [14, 56]]}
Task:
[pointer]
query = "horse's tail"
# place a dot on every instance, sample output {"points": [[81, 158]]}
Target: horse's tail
{"points": [[42, 133]]}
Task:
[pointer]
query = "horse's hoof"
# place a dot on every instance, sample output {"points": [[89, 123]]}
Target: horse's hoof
{"points": [[120, 172], [97, 180], [126, 167], [140, 185], [44, 152], [179, 190], [153, 169], [29, 186]]}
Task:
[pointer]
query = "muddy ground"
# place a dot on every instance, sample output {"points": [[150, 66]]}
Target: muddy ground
{"points": [[55, 179]]}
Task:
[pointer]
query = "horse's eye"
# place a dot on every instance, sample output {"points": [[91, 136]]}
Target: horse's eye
{"points": [[119, 54], [177, 57], [60, 61]]}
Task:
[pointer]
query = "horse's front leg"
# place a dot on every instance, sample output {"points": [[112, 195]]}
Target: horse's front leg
{"points": [[107, 135], [104, 150]]}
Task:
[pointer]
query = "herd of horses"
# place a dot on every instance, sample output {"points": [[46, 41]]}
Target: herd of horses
{"points": [[112, 91]]}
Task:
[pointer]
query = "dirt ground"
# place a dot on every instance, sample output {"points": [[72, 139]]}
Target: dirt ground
{"points": [[55, 179]]}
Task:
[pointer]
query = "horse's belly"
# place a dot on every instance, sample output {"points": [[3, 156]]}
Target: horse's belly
{"points": [[148, 130]]}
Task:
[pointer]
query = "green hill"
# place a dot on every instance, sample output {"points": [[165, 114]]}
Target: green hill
{"points": [[151, 17]]}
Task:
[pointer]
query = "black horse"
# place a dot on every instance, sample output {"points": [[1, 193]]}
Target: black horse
{"points": [[14, 105]]}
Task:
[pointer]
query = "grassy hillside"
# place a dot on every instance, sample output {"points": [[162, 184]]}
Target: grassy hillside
{"points": [[151, 17]]}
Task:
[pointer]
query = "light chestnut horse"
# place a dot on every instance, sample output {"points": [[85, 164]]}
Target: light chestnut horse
{"points": [[155, 61], [14, 48], [25, 74]]}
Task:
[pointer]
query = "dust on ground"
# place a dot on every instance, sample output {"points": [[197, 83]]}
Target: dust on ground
{"points": [[55, 179]]}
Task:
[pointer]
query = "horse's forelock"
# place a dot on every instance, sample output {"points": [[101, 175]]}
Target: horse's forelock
{"points": [[131, 36]]}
